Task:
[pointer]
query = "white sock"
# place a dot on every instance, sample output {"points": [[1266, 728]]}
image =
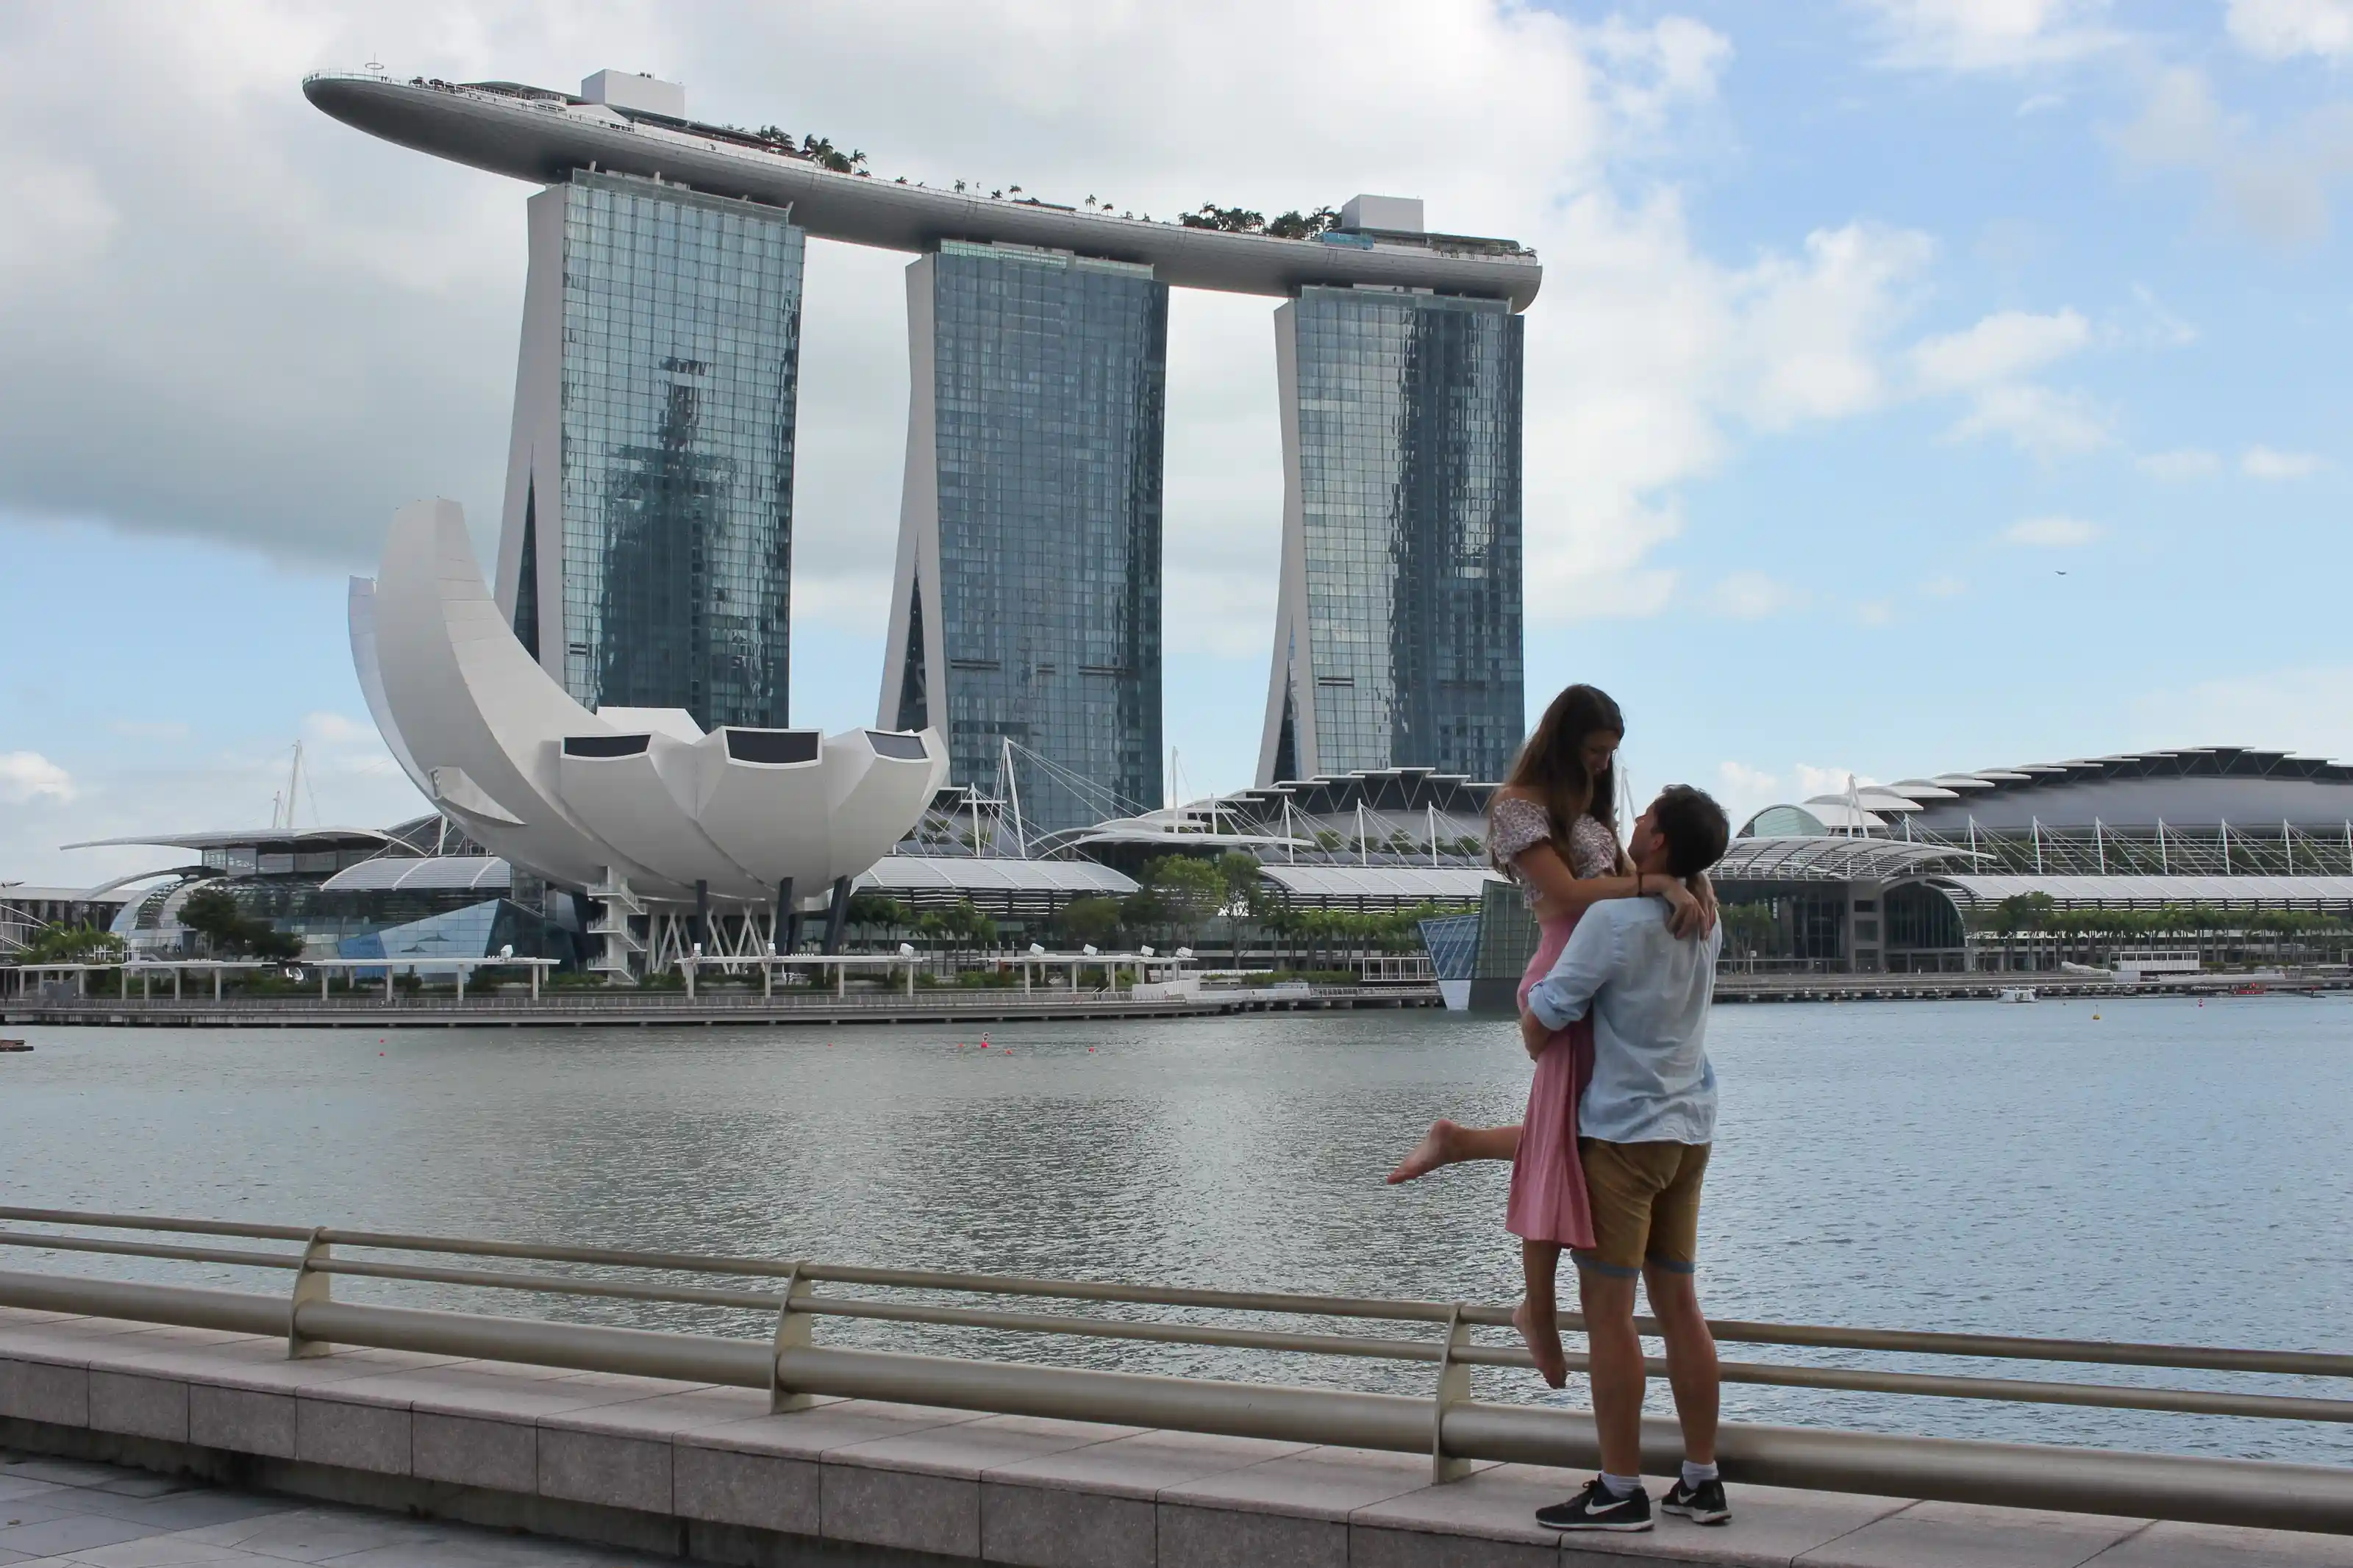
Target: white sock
{"points": [[1621, 1485], [1694, 1474]]}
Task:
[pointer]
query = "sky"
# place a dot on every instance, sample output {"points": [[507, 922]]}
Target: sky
{"points": [[1915, 384]]}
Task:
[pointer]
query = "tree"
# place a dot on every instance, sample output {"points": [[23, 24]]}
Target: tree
{"points": [[1089, 921], [1231, 220], [228, 930], [1297, 225], [1180, 891], [1246, 895], [74, 945], [874, 910]]}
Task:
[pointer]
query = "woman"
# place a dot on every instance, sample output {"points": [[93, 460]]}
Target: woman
{"points": [[1552, 828]]}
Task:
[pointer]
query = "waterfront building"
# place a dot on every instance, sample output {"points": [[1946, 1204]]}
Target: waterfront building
{"points": [[1397, 631], [1028, 602], [2100, 859], [645, 557], [1025, 607]]}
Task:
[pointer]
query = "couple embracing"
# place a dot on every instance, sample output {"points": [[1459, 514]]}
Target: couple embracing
{"points": [[1609, 1162]]}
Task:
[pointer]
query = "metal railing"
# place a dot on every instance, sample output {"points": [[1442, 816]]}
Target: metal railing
{"points": [[1449, 1425]]}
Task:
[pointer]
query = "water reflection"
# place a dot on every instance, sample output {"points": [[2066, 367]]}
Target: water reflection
{"points": [[1957, 1167]]}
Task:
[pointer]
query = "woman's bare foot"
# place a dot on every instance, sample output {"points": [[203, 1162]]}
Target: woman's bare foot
{"points": [[1437, 1148], [1542, 1333]]}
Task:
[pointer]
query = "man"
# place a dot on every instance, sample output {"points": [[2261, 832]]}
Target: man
{"points": [[1644, 1126]]}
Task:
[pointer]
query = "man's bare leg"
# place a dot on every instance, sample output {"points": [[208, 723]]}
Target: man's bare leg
{"points": [[1450, 1143], [1691, 1359], [1616, 1370], [1537, 1317]]}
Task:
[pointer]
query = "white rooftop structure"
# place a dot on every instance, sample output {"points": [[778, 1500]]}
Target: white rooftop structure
{"points": [[621, 804]]}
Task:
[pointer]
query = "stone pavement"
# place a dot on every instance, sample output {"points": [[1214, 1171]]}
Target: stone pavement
{"points": [[673, 1467], [69, 1513]]}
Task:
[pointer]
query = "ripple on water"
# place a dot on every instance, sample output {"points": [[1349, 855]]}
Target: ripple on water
{"points": [[2171, 1173]]}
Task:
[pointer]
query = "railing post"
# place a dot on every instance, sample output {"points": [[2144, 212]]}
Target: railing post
{"points": [[1453, 1387], [310, 1285], [792, 1334]]}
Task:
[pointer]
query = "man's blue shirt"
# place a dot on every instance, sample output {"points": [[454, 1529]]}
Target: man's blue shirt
{"points": [[1649, 990]]}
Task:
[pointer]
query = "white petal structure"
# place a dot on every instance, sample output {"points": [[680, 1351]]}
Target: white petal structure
{"points": [[637, 795]]}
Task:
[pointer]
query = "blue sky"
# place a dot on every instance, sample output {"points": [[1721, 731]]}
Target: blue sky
{"points": [[1917, 384]]}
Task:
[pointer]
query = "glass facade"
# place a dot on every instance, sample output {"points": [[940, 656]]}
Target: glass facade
{"points": [[1408, 488], [680, 361], [1049, 380]]}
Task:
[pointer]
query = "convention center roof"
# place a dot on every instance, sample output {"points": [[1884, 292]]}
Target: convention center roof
{"points": [[422, 874], [984, 874], [1387, 884], [2135, 891], [2193, 789], [1829, 858], [276, 840]]}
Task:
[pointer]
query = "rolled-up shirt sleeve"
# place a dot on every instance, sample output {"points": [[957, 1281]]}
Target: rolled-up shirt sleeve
{"points": [[1561, 997]]}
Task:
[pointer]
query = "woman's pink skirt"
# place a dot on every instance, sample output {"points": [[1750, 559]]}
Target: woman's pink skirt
{"points": [[1548, 1200]]}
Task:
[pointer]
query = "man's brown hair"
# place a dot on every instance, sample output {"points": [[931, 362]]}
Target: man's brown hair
{"points": [[1695, 827]]}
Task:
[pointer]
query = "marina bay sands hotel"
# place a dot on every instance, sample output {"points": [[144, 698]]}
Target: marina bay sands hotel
{"points": [[645, 548]]}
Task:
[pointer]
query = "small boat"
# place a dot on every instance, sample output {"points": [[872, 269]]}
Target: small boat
{"points": [[14, 1045], [2252, 988], [2018, 993]]}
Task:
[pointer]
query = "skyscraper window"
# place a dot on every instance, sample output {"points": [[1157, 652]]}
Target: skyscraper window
{"points": [[1028, 603], [1397, 630], [654, 408]]}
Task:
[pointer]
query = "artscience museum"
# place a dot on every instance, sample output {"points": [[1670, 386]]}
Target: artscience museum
{"points": [[638, 808]]}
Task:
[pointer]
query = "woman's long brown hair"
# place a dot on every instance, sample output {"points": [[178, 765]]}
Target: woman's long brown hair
{"points": [[1552, 762]]}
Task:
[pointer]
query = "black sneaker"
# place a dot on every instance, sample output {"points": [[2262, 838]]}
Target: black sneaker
{"points": [[1596, 1508], [1701, 1504]]}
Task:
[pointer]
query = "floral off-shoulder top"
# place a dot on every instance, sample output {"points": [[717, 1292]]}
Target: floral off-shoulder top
{"points": [[1519, 825]]}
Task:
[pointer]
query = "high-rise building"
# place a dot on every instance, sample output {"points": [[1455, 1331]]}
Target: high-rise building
{"points": [[645, 556], [1027, 602], [646, 553], [1398, 620]]}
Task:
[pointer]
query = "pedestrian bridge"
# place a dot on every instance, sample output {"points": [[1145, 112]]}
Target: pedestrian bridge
{"points": [[771, 1447]]}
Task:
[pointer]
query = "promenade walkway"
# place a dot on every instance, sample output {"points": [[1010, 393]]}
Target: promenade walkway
{"points": [[645, 1465], [72, 1513]]}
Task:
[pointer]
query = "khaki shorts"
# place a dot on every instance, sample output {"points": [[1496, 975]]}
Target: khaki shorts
{"points": [[1645, 1199]]}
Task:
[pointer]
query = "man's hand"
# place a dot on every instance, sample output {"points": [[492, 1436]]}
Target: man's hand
{"points": [[1684, 912], [1703, 891], [1534, 1034]]}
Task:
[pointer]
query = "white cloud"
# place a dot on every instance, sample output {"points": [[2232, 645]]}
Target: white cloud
{"points": [[2267, 463], [2001, 347], [1963, 36], [1744, 791], [2179, 466], [60, 218], [2282, 29], [2052, 532], [2307, 709], [1874, 613], [1656, 359], [2277, 184], [1989, 363], [2037, 419], [356, 346], [1944, 586], [1753, 595], [1813, 780], [27, 776]]}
